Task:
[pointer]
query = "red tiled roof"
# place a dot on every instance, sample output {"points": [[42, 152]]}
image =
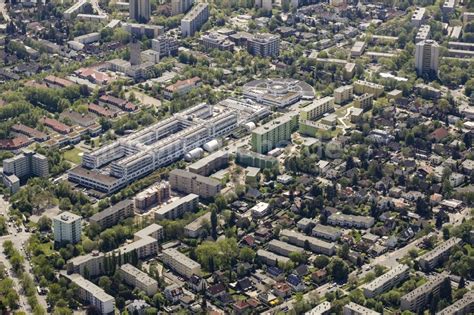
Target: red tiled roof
{"points": [[56, 125], [182, 83], [58, 81], [14, 143], [439, 133], [95, 75], [28, 131], [99, 110]]}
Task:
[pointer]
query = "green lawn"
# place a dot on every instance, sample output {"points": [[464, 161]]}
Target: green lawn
{"points": [[73, 156]]}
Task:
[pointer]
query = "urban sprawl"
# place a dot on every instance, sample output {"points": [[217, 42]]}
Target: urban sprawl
{"points": [[236, 157]]}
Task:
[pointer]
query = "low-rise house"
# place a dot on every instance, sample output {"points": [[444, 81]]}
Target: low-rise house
{"points": [[295, 283], [282, 290], [216, 290], [173, 293], [319, 276], [196, 283]]}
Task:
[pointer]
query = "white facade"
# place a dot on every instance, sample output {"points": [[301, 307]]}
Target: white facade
{"points": [[180, 263], [386, 281], [195, 18], [427, 57], [94, 295], [138, 279], [67, 227]]}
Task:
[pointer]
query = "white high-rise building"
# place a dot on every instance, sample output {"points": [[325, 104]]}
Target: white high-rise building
{"points": [[140, 10], [180, 6], [427, 57], [194, 19], [67, 227]]}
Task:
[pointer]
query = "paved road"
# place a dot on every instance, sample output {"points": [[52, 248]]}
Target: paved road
{"points": [[18, 239]]}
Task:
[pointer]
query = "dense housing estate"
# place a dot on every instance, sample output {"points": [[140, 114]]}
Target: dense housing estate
{"points": [[237, 157]]}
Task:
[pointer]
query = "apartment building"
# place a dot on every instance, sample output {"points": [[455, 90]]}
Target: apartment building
{"points": [[152, 196], [316, 245], [165, 45], [361, 87], [254, 159], [180, 6], [271, 259], [181, 87], [190, 183], [88, 38], [67, 227], [317, 109], [358, 49], [195, 228], [94, 295], [327, 232], [467, 17], [138, 30], [210, 164], [138, 279], [418, 17], [434, 257], [320, 309], [140, 10], [145, 244], [448, 6], [30, 132], [343, 94], [23, 166], [364, 101], [113, 214], [101, 111], [417, 299], [107, 100], [423, 33], [283, 248], [57, 126], [74, 9], [177, 208], [348, 220], [138, 154], [274, 133], [154, 231], [180, 263], [356, 309], [216, 41], [194, 19], [427, 57], [386, 282], [264, 45], [463, 306]]}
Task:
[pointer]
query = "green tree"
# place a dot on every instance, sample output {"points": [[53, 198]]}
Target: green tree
{"points": [[247, 254], [44, 223], [338, 269], [214, 224]]}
